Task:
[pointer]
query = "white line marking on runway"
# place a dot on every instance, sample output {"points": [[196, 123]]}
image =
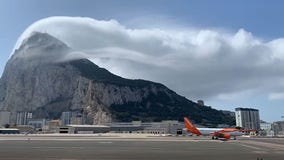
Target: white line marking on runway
{"points": [[105, 142], [252, 147]]}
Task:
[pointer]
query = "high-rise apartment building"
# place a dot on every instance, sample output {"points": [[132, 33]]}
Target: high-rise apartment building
{"points": [[247, 118], [65, 118], [23, 118], [4, 118]]}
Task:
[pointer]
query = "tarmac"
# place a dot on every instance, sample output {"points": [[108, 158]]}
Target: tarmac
{"points": [[137, 147]]}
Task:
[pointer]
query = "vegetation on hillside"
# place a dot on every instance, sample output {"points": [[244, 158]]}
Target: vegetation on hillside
{"points": [[156, 106]]}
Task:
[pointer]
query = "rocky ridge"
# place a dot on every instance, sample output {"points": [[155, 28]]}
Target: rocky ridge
{"points": [[36, 80]]}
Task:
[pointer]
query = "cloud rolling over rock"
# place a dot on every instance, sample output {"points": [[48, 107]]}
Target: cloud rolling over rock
{"points": [[197, 63]]}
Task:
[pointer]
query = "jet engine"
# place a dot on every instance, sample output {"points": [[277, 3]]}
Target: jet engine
{"points": [[218, 135]]}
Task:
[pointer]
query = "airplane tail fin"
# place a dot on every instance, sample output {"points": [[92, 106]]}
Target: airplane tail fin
{"points": [[190, 127]]}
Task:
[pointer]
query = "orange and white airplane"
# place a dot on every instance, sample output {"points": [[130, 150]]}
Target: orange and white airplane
{"points": [[217, 133]]}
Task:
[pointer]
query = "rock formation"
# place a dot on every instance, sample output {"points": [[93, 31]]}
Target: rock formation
{"points": [[39, 79]]}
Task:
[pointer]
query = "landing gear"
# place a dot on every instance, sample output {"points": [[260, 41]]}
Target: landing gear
{"points": [[213, 137]]}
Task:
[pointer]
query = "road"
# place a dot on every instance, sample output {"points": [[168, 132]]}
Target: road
{"points": [[129, 147]]}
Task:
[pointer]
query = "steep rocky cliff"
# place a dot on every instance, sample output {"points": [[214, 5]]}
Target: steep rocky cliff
{"points": [[37, 79]]}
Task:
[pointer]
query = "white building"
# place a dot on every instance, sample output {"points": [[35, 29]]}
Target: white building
{"points": [[4, 118], [37, 123], [266, 129], [23, 118], [278, 128], [247, 118]]}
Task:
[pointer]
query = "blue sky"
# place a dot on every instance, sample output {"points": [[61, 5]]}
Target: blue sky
{"points": [[261, 19]]}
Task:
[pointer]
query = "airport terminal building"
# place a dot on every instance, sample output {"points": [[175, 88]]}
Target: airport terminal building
{"points": [[164, 127]]}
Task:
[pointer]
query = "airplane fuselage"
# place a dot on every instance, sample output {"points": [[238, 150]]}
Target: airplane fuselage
{"points": [[210, 131]]}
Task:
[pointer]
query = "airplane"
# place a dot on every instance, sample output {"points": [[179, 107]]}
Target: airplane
{"points": [[217, 133]]}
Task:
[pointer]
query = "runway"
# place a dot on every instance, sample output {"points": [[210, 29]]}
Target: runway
{"points": [[136, 147]]}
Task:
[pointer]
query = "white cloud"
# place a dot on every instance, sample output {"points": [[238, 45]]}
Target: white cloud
{"points": [[196, 63], [277, 47], [276, 96]]}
